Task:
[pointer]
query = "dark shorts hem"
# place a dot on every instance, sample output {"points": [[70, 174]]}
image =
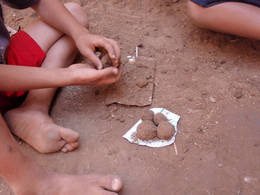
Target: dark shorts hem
{"points": [[209, 3]]}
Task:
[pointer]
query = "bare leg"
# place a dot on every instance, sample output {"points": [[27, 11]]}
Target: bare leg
{"points": [[31, 121], [26, 177], [230, 17]]}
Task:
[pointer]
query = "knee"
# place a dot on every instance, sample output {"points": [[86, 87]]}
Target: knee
{"points": [[196, 13], [77, 11]]}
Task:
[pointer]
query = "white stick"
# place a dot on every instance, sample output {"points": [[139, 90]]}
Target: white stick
{"points": [[175, 148]]}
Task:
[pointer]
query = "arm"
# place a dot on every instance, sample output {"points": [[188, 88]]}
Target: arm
{"points": [[16, 78], [55, 14], [19, 78], [85, 41]]}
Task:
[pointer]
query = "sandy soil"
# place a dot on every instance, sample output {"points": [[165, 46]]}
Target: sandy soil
{"points": [[211, 80]]}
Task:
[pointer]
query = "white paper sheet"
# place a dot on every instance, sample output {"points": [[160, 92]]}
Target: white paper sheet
{"points": [[155, 143]]}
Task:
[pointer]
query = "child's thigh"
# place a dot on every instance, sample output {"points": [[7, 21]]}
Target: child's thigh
{"points": [[44, 34]]}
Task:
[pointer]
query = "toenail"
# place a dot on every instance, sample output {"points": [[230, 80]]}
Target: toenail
{"points": [[115, 184]]}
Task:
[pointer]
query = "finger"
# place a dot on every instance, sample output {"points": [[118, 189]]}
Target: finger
{"points": [[117, 51], [109, 48], [105, 82], [105, 73], [93, 58], [108, 80]]}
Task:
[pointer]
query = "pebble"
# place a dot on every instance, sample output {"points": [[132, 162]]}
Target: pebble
{"points": [[212, 99], [222, 62], [142, 84], [164, 71], [250, 179], [220, 165], [238, 93]]}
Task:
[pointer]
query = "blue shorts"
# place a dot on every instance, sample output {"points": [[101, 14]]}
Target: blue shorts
{"points": [[208, 3]]}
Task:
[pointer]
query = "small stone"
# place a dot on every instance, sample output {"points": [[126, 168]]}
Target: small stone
{"points": [[146, 34], [204, 92], [122, 120], [212, 99], [186, 149], [164, 71], [140, 45], [222, 62], [220, 165], [190, 99], [202, 129], [148, 77], [250, 179], [238, 93], [142, 84]]}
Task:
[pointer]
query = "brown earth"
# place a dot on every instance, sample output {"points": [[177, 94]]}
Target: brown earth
{"points": [[211, 80]]}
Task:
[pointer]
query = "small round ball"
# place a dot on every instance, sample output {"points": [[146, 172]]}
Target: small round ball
{"points": [[158, 118], [148, 115], [146, 130], [165, 130]]}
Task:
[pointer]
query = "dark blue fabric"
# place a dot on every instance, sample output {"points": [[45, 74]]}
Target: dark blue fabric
{"points": [[19, 4], [208, 3], [4, 35]]}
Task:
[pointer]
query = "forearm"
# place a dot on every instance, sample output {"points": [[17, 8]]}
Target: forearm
{"points": [[55, 14], [19, 78]]}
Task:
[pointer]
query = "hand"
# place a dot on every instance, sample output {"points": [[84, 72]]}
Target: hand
{"points": [[87, 44], [86, 75]]}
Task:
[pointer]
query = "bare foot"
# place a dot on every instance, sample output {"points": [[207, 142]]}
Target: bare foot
{"points": [[88, 185], [55, 184], [38, 130]]}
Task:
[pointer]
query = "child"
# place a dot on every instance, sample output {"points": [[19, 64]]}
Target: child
{"points": [[238, 17], [51, 43]]}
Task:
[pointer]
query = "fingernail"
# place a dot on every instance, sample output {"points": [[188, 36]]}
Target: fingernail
{"points": [[115, 184]]}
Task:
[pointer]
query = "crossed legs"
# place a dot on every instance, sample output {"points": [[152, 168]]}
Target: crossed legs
{"points": [[31, 121]]}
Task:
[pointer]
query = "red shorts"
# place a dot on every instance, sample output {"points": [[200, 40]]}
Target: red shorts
{"points": [[22, 51]]}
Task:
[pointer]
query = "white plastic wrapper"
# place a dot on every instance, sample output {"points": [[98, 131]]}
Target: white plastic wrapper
{"points": [[154, 143]]}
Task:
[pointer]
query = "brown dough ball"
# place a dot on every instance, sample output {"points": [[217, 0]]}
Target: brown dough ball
{"points": [[158, 118], [146, 130], [106, 61], [165, 130], [148, 115]]}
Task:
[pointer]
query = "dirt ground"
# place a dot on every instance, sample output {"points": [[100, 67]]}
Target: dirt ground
{"points": [[211, 80]]}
